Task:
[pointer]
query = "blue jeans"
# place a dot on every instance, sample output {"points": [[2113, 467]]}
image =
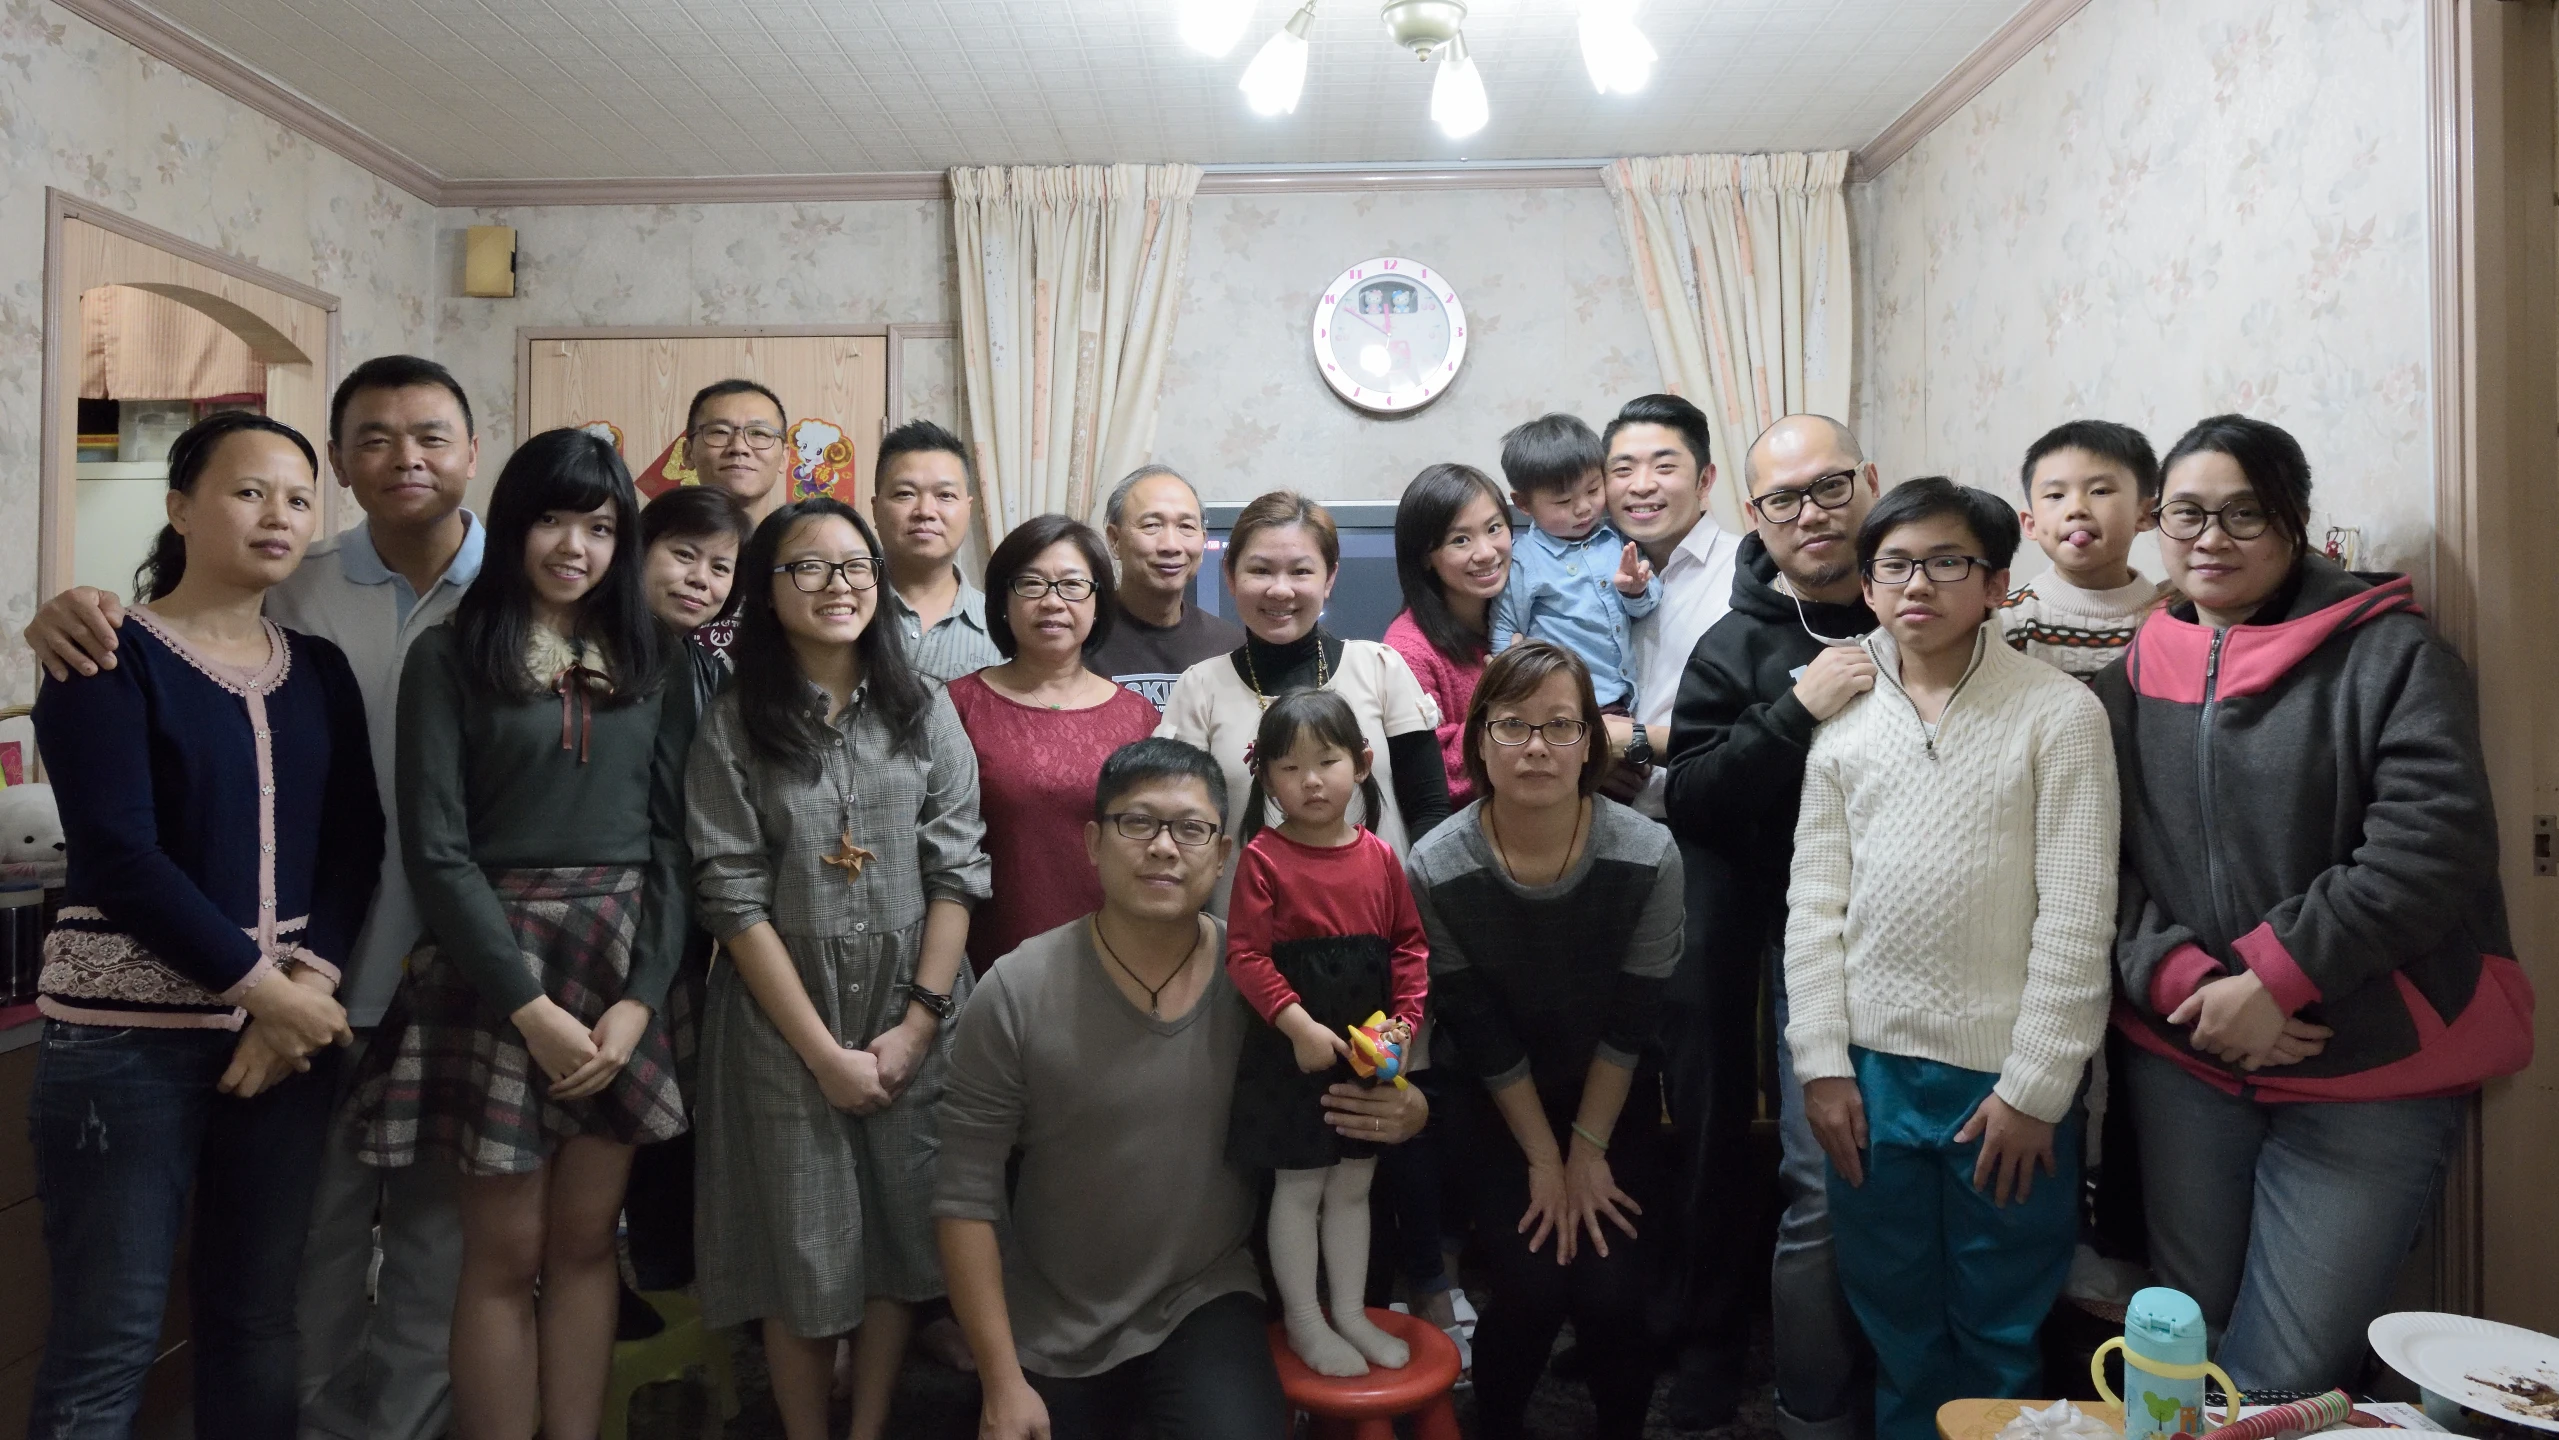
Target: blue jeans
{"points": [[1950, 1288], [125, 1123], [2287, 1222], [1819, 1349]]}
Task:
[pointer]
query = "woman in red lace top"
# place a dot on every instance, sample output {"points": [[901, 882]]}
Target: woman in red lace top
{"points": [[1042, 724]]}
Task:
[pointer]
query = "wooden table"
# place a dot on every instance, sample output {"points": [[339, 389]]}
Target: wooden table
{"points": [[1982, 1419]]}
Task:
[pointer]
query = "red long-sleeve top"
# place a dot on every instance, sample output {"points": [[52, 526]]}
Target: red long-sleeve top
{"points": [[1288, 891]]}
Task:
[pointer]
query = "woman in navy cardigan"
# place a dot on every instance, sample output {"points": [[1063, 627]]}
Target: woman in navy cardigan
{"points": [[224, 836]]}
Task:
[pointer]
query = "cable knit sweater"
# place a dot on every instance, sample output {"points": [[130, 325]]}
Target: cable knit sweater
{"points": [[1954, 893]]}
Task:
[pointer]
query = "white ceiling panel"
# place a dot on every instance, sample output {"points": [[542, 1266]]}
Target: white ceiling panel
{"points": [[532, 89]]}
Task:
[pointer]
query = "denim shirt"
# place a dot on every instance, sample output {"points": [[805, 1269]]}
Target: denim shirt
{"points": [[1565, 591]]}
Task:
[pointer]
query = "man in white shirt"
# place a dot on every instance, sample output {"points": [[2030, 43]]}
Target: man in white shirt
{"points": [[1660, 471], [401, 442]]}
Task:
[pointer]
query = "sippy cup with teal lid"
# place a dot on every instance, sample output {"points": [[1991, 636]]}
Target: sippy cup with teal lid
{"points": [[2164, 1366]]}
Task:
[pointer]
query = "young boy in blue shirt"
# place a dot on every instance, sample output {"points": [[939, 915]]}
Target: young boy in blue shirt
{"points": [[1574, 580]]}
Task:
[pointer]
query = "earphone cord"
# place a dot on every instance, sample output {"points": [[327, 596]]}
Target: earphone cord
{"points": [[1806, 621]]}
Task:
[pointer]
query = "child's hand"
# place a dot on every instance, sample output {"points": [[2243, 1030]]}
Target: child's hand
{"points": [[1634, 572], [1837, 1113], [2013, 1143], [1317, 1048]]}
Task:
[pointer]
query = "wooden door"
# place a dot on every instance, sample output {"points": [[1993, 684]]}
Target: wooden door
{"points": [[834, 388]]}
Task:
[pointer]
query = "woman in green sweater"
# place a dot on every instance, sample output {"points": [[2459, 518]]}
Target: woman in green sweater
{"points": [[541, 767]]}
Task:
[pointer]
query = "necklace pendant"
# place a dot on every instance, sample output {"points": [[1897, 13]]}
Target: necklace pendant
{"points": [[848, 857]]}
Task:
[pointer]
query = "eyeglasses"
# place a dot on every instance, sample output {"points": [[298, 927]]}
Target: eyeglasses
{"points": [[812, 576], [1779, 507], [2186, 520], [1942, 569], [1070, 588], [1559, 734], [717, 436], [1139, 826]]}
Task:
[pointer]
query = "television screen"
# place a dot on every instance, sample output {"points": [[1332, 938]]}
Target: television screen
{"points": [[1365, 596]]}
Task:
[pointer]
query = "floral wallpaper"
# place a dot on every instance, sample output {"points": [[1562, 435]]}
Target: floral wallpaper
{"points": [[1552, 319], [859, 262], [2174, 208], [86, 113]]}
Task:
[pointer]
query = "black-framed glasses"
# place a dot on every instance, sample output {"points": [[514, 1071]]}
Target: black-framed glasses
{"points": [[2240, 520], [1139, 826], [1560, 734], [814, 576], [718, 434], [1779, 507], [1942, 569], [1070, 588]]}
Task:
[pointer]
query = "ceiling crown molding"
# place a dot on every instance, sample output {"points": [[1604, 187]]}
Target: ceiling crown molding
{"points": [[707, 190], [154, 35], [2012, 42]]}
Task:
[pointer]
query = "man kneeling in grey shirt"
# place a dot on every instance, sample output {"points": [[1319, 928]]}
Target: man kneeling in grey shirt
{"points": [[1103, 1053]]}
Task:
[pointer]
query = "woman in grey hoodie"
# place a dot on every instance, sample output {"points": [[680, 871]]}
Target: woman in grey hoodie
{"points": [[2314, 956]]}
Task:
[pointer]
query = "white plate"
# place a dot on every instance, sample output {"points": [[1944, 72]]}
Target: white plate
{"points": [[2443, 1352]]}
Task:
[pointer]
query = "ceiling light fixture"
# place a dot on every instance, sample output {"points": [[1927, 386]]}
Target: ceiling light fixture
{"points": [[1213, 26], [1277, 75], [1619, 57], [1422, 26], [1457, 95]]}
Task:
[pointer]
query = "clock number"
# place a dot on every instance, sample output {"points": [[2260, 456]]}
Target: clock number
{"points": [[1389, 265], [1329, 299], [1357, 273]]}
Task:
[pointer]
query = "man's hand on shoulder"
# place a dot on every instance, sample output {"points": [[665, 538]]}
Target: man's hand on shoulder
{"points": [[76, 631], [1838, 675]]}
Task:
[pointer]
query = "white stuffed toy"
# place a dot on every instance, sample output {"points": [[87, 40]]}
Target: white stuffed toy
{"points": [[30, 826]]}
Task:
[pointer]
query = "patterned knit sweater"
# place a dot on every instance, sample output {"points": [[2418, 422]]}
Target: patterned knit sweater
{"points": [[1954, 894], [2080, 630]]}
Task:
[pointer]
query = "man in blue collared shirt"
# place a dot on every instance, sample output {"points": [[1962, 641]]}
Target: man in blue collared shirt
{"points": [[1574, 579], [401, 442]]}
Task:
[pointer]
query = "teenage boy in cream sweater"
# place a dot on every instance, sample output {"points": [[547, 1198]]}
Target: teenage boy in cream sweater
{"points": [[2091, 486], [1951, 908]]}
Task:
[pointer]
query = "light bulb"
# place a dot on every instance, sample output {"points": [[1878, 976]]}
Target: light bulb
{"points": [[1213, 26], [1457, 96], [1277, 75], [1619, 57]]}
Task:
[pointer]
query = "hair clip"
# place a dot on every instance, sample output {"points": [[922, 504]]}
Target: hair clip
{"points": [[1249, 746]]}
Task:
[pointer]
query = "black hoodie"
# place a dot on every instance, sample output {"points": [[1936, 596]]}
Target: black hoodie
{"points": [[1738, 735]]}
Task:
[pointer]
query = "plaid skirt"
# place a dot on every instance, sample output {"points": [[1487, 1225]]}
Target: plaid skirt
{"points": [[451, 1074]]}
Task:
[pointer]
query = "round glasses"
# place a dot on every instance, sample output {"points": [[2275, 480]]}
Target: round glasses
{"points": [[812, 576], [717, 436], [1830, 491], [2240, 520], [1070, 588], [1942, 569], [1139, 826], [1560, 734]]}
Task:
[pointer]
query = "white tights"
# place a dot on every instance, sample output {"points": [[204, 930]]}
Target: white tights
{"points": [[1325, 1212]]}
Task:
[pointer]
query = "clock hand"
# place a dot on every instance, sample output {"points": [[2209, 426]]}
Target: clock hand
{"points": [[1364, 320]]}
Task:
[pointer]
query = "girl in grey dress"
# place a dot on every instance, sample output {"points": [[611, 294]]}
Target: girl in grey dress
{"points": [[832, 804]]}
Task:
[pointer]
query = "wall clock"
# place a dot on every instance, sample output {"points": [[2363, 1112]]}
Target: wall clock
{"points": [[1389, 335]]}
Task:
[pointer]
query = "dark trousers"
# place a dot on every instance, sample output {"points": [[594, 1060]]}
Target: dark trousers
{"points": [[1709, 1055], [657, 1214], [1604, 1296], [126, 1123], [1211, 1379]]}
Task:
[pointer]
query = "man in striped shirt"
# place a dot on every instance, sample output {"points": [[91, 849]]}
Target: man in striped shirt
{"points": [[921, 506]]}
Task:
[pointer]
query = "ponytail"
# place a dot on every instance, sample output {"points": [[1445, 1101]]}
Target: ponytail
{"points": [[1328, 718], [161, 570]]}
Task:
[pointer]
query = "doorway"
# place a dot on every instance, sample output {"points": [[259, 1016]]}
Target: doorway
{"points": [[183, 329]]}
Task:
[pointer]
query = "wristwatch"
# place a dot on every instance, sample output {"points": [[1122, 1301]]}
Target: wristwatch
{"points": [[1639, 751]]}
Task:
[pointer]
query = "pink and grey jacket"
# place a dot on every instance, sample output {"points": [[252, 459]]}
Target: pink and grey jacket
{"points": [[2304, 797]]}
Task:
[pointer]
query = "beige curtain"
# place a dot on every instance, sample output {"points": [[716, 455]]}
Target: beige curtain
{"points": [[1742, 265], [139, 346], [1070, 278]]}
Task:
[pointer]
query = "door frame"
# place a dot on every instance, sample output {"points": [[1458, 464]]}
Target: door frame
{"points": [[61, 332], [2494, 262], [894, 412]]}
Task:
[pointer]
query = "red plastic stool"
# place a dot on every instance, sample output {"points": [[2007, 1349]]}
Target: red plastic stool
{"points": [[1364, 1407]]}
